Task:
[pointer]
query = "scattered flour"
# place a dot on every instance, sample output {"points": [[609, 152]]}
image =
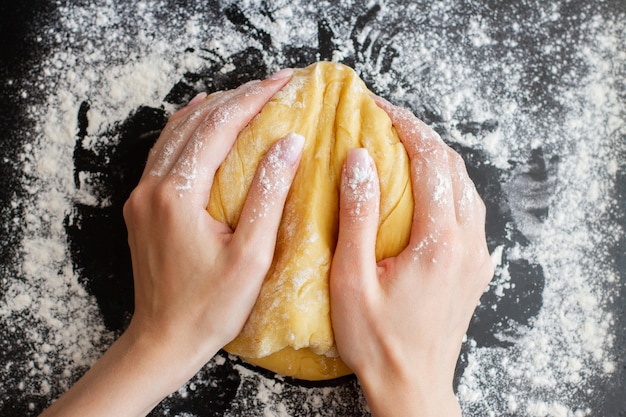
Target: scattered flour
{"points": [[564, 94]]}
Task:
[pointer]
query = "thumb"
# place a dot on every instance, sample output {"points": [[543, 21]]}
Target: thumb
{"points": [[355, 255]]}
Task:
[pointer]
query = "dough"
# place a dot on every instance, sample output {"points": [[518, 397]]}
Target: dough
{"points": [[289, 330]]}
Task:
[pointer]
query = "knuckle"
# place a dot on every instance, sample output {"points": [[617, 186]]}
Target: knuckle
{"points": [[482, 208], [163, 198], [146, 200], [135, 203], [456, 160], [449, 244], [488, 270], [482, 266], [440, 250]]}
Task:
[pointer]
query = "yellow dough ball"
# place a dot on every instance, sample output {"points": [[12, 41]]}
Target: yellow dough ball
{"points": [[289, 331]]}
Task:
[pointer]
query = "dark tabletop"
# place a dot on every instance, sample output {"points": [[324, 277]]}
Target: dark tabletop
{"points": [[531, 94]]}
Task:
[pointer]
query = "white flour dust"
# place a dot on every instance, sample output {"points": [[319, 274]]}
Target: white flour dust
{"points": [[447, 61], [272, 177], [358, 183]]}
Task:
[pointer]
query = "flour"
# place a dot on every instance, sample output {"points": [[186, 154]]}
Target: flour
{"points": [[271, 175], [358, 185], [505, 89]]}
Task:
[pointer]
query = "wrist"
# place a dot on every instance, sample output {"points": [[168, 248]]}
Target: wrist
{"points": [[168, 354], [132, 377], [401, 393]]}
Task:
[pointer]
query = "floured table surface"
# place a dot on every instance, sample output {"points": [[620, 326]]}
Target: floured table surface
{"points": [[531, 94]]}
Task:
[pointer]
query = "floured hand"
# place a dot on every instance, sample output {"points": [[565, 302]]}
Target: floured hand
{"points": [[399, 323], [194, 276], [196, 280]]}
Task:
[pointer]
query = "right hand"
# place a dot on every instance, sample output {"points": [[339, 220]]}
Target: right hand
{"points": [[399, 323]]}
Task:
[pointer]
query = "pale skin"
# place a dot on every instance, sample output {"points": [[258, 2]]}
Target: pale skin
{"points": [[410, 313], [196, 280]]}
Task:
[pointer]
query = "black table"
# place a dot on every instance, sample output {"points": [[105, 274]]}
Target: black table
{"points": [[532, 95]]}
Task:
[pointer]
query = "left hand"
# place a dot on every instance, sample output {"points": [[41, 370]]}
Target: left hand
{"points": [[196, 280]]}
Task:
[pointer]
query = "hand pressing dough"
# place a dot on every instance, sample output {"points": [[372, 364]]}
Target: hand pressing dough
{"points": [[289, 330]]}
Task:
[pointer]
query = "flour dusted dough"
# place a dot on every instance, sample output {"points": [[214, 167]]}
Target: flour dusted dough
{"points": [[289, 330]]}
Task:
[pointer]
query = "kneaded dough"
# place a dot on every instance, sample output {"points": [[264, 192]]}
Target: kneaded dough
{"points": [[289, 331]]}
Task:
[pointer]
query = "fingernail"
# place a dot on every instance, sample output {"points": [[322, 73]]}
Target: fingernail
{"points": [[284, 73], [359, 175], [291, 148], [197, 99], [359, 161]]}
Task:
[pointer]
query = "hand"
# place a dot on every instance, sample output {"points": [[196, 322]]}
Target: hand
{"points": [[399, 323], [196, 280]]}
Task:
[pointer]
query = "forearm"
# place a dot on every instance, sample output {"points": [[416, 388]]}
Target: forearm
{"points": [[132, 377]]}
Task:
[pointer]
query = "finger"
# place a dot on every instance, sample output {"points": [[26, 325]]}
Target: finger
{"points": [[175, 134], [431, 176], [198, 98], [263, 208], [434, 211], [208, 145], [181, 124], [468, 204], [359, 205], [180, 128], [416, 135]]}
